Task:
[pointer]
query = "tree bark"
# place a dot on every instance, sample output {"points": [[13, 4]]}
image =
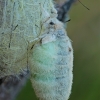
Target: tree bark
{"points": [[11, 85], [63, 9]]}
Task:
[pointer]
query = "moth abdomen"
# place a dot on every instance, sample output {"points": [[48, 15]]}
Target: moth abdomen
{"points": [[53, 79]]}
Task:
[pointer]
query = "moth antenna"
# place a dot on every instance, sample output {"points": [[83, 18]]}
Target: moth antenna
{"points": [[68, 20], [83, 5]]}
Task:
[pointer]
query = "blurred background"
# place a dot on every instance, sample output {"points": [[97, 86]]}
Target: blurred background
{"points": [[84, 31]]}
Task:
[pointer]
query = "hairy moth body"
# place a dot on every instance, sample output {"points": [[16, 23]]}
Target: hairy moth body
{"points": [[51, 63]]}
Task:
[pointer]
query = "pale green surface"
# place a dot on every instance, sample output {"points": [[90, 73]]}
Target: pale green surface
{"points": [[17, 37], [84, 31]]}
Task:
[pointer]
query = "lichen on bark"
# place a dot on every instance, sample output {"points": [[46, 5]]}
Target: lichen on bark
{"points": [[20, 23]]}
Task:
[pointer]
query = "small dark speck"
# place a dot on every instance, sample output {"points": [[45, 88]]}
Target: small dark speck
{"points": [[1, 80], [57, 78], [69, 49], [51, 23]]}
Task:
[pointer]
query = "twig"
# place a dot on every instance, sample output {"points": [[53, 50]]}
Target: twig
{"points": [[63, 10]]}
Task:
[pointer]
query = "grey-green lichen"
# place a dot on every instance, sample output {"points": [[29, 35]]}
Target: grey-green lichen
{"points": [[20, 23]]}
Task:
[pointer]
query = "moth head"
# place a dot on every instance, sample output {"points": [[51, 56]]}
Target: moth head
{"points": [[55, 23]]}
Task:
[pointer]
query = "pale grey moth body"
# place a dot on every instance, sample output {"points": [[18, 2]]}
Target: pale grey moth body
{"points": [[51, 63]]}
